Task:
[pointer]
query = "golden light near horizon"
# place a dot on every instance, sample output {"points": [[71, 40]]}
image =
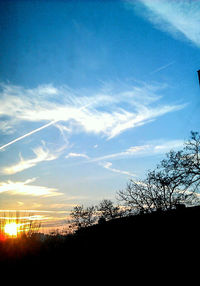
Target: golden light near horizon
{"points": [[15, 224], [11, 229]]}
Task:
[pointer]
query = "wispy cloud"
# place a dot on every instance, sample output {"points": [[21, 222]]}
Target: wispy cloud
{"points": [[143, 150], [99, 113], [179, 18], [27, 189], [6, 128], [42, 153], [76, 155], [135, 150], [150, 149], [108, 166], [64, 130], [62, 206]]}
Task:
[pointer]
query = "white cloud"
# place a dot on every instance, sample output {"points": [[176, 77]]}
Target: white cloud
{"points": [[64, 130], [142, 150], [135, 150], [62, 206], [179, 18], [150, 149], [76, 155], [100, 113], [45, 90], [168, 145], [41, 154], [108, 166], [145, 115], [27, 189], [6, 128]]}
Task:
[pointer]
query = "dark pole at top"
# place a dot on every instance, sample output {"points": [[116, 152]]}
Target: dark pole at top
{"points": [[199, 76]]}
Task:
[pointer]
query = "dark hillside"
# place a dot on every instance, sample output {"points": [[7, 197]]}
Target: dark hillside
{"points": [[144, 233], [128, 242]]}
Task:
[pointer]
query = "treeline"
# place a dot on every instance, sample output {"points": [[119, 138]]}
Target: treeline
{"points": [[126, 243], [173, 184]]}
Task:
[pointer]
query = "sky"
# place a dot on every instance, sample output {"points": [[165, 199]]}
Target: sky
{"points": [[92, 94]]}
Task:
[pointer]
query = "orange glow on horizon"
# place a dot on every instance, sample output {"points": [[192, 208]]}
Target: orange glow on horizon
{"points": [[2, 237]]}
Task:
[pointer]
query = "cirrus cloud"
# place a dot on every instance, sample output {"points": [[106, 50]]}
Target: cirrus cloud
{"points": [[108, 166], [180, 18], [107, 112], [76, 155], [27, 189], [42, 154]]}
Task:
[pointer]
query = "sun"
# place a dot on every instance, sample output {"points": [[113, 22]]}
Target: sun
{"points": [[11, 229]]}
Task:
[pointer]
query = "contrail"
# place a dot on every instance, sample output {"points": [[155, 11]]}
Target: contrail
{"points": [[28, 134], [162, 68], [36, 130]]}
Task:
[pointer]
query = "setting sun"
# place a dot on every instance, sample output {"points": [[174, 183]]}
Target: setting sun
{"points": [[11, 229]]}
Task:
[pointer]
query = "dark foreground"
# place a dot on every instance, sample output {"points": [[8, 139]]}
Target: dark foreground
{"points": [[151, 244]]}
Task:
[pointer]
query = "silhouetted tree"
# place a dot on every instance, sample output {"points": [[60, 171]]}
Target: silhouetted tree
{"points": [[141, 196], [184, 166], [83, 217], [107, 210], [175, 181]]}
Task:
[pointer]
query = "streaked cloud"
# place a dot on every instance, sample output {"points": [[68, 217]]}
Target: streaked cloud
{"points": [[168, 145], [76, 155], [107, 112], [62, 206], [150, 149], [179, 18], [130, 151], [29, 217], [27, 189], [41, 154], [6, 128], [64, 130], [20, 204], [108, 166], [29, 211]]}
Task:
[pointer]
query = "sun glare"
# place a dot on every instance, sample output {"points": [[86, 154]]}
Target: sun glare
{"points": [[11, 229], [15, 224]]}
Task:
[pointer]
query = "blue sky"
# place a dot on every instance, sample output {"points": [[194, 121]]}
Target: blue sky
{"points": [[92, 93]]}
